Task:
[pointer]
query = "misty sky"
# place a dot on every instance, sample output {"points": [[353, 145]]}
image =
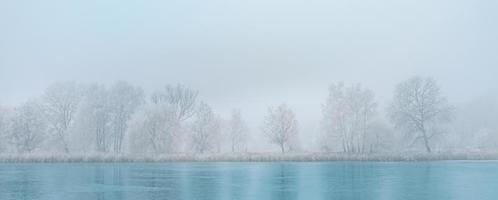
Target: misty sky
{"points": [[250, 54]]}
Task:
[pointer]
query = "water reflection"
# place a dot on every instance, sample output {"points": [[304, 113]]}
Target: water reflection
{"points": [[203, 181], [235, 183], [275, 181], [284, 180], [19, 182]]}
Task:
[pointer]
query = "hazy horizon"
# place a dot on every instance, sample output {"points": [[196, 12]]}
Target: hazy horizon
{"points": [[251, 55]]}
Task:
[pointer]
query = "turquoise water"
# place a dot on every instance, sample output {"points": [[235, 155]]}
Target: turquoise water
{"points": [[261, 181]]}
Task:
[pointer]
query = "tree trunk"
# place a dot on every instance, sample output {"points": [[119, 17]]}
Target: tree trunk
{"points": [[426, 142], [66, 149], [426, 139]]}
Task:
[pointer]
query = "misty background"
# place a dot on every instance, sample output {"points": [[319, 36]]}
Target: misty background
{"points": [[252, 54]]}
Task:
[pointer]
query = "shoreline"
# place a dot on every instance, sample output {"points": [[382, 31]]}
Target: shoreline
{"points": [[248, 157]]}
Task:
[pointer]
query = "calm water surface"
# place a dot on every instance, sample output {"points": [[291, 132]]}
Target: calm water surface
{"points": [[261, 181]]}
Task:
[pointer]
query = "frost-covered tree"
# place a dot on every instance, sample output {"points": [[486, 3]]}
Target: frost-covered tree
{"points": [[104, 114], [281, 128], [61, 102], [420, 109], [182, 101], [28, 129], [205, 130], [475, 126], [94, 119], [238, 132], [381, 137], [124, 99], [348, 114], [4, 127], [181, 98], [153, 129]]}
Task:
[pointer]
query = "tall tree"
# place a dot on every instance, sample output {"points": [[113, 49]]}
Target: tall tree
{"points": [[94, 118], [5, 119], [61, 102], [281, 128], [205, 130], [182, 101], [124, 101], [348, 114], [29, 127], [238, 131], [419, 108], [153, 130]]}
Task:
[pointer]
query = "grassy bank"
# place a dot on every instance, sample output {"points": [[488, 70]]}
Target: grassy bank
{"points": [[249, 157]]}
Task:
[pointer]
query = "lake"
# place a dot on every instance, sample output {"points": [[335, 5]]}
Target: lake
{"points": [[261, 181]]}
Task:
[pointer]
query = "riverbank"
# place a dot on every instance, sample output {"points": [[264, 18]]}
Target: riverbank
{"points": [[248, 157]]}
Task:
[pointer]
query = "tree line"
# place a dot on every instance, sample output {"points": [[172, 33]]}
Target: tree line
{"points": [[121, 118]]}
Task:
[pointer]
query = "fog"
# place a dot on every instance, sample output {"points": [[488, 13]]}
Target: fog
{"points": [[250, 55]]}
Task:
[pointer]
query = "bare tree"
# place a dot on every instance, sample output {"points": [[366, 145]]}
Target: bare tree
{"points": [[5, 119], [474, 126], [238, 131], [153, 130], [28, 127], [94, 118], [347, 115], [205, 130], [180, 97], [124, 100], [419, 107], [61, 102], [182, 101], [280, 126]]}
